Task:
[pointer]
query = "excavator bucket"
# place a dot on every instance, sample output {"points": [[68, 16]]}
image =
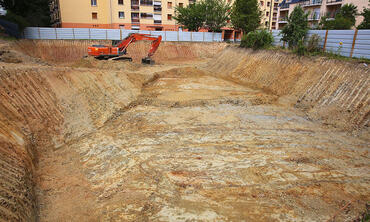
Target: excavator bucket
{"points": [[147, 60]]}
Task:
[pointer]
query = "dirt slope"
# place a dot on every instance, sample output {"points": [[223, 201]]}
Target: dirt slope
{"points": [[334, 92], [239, 137]]}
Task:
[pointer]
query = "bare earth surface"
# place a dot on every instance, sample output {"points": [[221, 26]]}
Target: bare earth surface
{"points": [[193, 147], [210, 133]]}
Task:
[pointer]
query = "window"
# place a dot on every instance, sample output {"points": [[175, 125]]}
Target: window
{"points": [[267, 13], [181, 5], [146, 2], [94, 15], [122, 26], [169, 16], [261, 3], [121, 15], [268, 4], [169, 4], [120, 2], [146, 15], [94, 2], [266, 23]]}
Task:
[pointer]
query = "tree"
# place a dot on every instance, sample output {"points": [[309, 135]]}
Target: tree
{"points": [[366, 23], [297, 27], [345, 19], [35, 12], [348, 11], [216, 13], [246, 15], [190, 17], [339, 23], [209, 14]]}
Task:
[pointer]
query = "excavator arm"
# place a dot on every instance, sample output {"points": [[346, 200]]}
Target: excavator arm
{"points": [[156, 41], [115, 52]]}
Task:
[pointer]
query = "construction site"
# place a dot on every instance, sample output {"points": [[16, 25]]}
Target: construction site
{"points": [[210, 132]]}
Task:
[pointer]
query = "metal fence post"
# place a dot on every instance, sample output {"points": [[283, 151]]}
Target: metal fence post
{"points": [[89, 34], [165, 36], [204, 36], [178, 36], [73, 32], [56, 34], [213, 36], [191, 36], [106, 34], [326, 39], [120, 34], [39, 33], [353, 43]]}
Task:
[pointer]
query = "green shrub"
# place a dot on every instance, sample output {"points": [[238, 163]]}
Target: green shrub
{"points": [[301, 49], [313, 43], [257, 40]]}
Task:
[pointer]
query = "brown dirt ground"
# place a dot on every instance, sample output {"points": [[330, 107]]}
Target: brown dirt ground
{"points": [[177, 142]]}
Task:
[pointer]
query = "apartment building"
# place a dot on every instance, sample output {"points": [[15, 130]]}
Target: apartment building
{"points": [[316, 9], [134, 14], [124, 14], [269, 11]]}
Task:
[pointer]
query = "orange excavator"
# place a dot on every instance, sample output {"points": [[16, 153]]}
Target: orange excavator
{"points": [[117, 51]]}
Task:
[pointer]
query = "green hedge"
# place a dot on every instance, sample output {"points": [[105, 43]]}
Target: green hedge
{"points": [[260, 39]]}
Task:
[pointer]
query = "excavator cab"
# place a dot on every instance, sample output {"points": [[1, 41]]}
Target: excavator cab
{"points": [[119, 48]]}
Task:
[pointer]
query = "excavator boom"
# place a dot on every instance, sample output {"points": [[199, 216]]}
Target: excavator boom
{"points": [[117, 51]]}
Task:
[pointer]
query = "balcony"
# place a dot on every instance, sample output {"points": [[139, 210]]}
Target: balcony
{"points": [[275, 9], [157, 9], [135, 20], [135, 8], [283, 20], [311, 3], [284, 7], [157, 21], [274, 18], [314, 17], [334, 2]]}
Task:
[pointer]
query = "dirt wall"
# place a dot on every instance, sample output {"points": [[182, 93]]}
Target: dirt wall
{"points": [[64, 51], [333, 91], [43, 108]]}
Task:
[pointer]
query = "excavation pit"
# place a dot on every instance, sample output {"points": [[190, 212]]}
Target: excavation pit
{"points": [[231, 135]]}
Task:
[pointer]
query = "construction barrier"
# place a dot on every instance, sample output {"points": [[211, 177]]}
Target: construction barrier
{"points": [[117, 34], [349, 43]]}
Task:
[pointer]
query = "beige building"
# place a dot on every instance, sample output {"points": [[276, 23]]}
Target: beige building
{"points": [[318, 8], [134, 14], [124, 14]]}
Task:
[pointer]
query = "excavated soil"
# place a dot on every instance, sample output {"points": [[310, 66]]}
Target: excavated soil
{"points": [[228, 135]]}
